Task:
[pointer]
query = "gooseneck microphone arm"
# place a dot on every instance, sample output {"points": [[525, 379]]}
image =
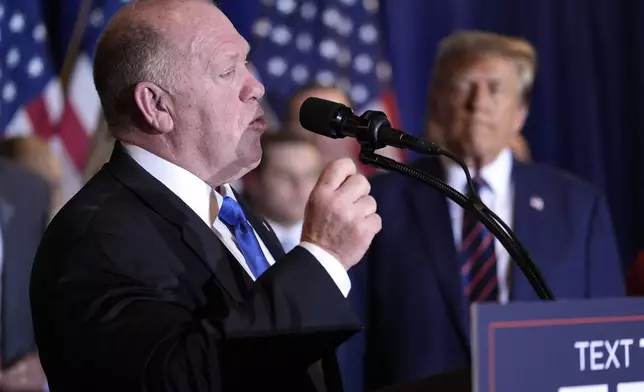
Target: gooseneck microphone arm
{"points": [[527, 266], [373, 131]]}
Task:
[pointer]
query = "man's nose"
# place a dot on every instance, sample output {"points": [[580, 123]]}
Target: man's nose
{"points": [[253, 88], [479, 97]]}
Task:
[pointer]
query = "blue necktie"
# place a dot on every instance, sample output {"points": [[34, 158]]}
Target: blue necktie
{"points": [[479, 259], [232, 215]]}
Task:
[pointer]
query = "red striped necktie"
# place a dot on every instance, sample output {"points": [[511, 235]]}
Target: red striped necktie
{"points": [[477, 254]]}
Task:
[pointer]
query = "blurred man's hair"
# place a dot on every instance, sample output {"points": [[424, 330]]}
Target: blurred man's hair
{"points": [[33, 153], [467, 44], [280, 137], [307, 89]]}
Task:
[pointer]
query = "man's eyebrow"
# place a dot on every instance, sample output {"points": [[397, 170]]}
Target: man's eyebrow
{"points": [[235, 55], [231, 55]]}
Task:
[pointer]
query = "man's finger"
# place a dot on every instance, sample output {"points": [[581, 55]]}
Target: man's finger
{"points": [[366, 205], [355, 187], [337, 172]]}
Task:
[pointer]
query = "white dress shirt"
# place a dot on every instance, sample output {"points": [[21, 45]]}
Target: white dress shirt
{"points": [[196, 194], [289, 236], [498, 197]]}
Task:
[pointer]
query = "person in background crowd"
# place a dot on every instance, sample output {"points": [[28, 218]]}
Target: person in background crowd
{"points": [[24, 214], [280, 186], [35, 155], [432, 260], [519, 145], [140, 283], [329, 148]]}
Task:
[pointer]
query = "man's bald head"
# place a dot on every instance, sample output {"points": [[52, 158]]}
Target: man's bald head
{"points": [[144, 41], [173, 79]]}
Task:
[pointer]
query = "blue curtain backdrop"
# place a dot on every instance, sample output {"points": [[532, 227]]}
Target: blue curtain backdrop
{"points": [[587, 115]]}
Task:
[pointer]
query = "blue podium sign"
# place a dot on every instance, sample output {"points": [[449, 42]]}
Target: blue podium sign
{"points": [[561, 346]]}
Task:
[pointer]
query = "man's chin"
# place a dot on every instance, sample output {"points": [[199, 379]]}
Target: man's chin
{"points": [[249, 163]]}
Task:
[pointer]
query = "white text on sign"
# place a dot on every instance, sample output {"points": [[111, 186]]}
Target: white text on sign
{"points": [[597, 355]]}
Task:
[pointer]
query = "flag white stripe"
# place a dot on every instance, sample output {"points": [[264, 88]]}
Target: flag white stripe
{"points": [[83, 95], [53, 97], [19, 125], [71, 180]]}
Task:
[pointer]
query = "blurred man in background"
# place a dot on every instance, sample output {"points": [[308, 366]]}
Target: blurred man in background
{"points": [[432, 261], [34, 154], [280, 186], [24, 214], [329, 148]]}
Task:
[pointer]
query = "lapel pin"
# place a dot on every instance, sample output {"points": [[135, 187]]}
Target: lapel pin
{"points": [[537, 203]]}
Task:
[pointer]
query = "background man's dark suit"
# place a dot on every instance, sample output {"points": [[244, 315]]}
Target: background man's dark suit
{"points": [[24, 214], [409, 290], [147, 298]]}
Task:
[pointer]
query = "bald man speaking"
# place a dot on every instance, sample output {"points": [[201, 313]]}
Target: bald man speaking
{"points": [[155, 276]]}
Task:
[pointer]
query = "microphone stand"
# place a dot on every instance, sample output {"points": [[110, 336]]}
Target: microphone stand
{"points": [[486, 217]]}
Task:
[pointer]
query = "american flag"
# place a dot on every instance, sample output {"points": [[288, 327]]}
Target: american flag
{"points": [[30, 95], [82, 111], [327, 42]]}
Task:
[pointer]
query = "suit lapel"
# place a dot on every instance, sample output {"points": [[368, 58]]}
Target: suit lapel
{"points": [[205, 244], [436, 227], [529, 205], [195, 233]]}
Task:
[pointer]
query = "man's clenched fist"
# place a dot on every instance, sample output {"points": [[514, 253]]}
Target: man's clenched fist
{"points": [[341, 216]]}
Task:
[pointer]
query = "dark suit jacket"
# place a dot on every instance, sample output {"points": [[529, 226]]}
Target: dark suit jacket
{"points": [[132, 291], [408, 290], [24, 214]]}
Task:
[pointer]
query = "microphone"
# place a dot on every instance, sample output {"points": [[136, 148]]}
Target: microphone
{"points": [[372, 130]]}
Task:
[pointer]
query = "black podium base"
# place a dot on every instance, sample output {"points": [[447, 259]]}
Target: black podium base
{"points": [[459, 380]]}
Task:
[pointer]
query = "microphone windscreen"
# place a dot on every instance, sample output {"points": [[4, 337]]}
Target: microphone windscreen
{"points": [[316, 115]]}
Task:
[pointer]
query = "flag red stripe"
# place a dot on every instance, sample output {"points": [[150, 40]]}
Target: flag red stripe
{"points": [[39, 117], [391, 108], [388, 101], [74, 137]]}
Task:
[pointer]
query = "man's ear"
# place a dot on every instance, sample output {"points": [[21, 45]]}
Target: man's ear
{"points": [[520, 118], [155, 106]]}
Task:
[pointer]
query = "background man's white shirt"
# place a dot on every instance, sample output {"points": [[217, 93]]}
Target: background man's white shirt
{"points": [[499, 197], [289, 236]]}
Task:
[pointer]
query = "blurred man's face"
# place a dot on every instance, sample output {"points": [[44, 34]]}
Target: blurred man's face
{"points": [[478, 110], [331, 149], [287, 178]]}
